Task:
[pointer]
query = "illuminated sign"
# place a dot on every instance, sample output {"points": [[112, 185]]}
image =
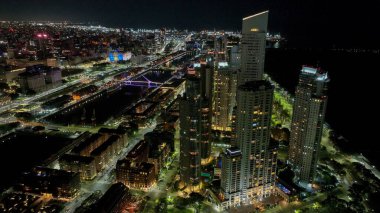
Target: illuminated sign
{"points": [[205, 174], [120, 57], [111, 57]]}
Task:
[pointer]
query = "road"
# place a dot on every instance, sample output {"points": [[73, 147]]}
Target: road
{"points": [[109, 73], [105, 178], [164, 187], [113, 84], [29, 100], [34, 99]]}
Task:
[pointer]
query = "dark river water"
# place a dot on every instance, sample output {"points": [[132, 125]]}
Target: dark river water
{"points": [[112, 104]]}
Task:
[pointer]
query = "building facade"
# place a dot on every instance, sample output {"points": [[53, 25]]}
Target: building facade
{"points": [[254, 110], [84, 165], [307, 122], [224, 97], [115, 200], [190, 156], [251, 119], [230, 182], [137, 175], [252, 45]]}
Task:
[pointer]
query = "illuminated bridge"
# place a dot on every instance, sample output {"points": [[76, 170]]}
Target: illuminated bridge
{"points": [[146, 82]]}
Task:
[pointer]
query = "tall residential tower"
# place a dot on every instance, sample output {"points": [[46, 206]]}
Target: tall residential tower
{"points": [[190, 146], [224, 96], [253, 47], [252, 124], [307, 123], [195, 124]]}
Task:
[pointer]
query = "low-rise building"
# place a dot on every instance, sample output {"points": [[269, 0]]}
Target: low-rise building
{"points": [[139, 153], [10, 73], [104, 153], [32, 81], [39, 78], [41, 180], [142, 112], [84, 165], [119, 132], [139, 175], [89, 145], [113, 201]]}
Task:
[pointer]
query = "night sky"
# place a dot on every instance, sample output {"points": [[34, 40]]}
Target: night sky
{"points": [[303, 22]]}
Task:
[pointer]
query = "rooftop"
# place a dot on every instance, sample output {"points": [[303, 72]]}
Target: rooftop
{"points": [[105, 145], [143, 166], [78, 158], [86, 143], [233, 151], [318, 73], [256, 85], [257, 23]]}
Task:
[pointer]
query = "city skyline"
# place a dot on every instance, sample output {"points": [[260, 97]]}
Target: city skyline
{"points": [[313, 17], [106, 118]]}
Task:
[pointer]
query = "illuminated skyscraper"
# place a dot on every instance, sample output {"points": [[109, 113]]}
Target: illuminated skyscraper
{"points": [[254, 110], [253, 47], [233, 55], [195, 124], [307, 123], [224, 96], [190, 156], [205, 72], [252, 123], [230, 183], [220, 43]]}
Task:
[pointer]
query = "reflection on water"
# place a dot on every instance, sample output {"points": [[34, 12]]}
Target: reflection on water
{"points": [[110, 105]]}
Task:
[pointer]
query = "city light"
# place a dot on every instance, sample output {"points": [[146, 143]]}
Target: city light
{"points": [[96, 115]]}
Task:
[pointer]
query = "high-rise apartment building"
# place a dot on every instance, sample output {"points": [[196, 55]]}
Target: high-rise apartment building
{"points": [[251, 127], [253, 47], [190, 156], [307, 122], [254, 110], [224, 96], [230, 183], [195, 124], [233, 56]]}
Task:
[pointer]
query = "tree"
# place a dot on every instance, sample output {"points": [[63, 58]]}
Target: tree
{"points": [[196, 197], [4, 86], [24, 116]]}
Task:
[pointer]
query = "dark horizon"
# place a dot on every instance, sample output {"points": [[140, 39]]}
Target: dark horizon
{"points": [[309, 23]]}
